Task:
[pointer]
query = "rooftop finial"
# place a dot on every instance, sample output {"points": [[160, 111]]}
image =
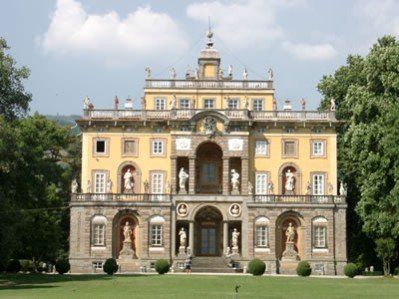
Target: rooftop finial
{"points": [[209, 34]]}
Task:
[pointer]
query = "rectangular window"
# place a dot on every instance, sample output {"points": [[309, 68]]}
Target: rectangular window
{"points": [[261, 236], [157, 147], [209, 104], [318, 184], [160, 104], [100, 146], [232, 104], [317, 148], [184, 104], [97, 265], [319, 236], [289, 148], [261, 147], [261, 183], [99, 181], [156, 235], [257, 105], [208, 172], [99, 235], [157, 183], [129, 147]]}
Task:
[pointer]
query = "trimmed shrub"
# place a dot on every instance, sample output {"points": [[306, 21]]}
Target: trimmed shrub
{"points": [[303, 268], [256, 267], [110, 266], [62, 266], [27, 265], [351, 270], [14, 266], [162, 266]]}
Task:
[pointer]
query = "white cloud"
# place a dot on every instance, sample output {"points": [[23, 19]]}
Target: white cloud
{"points": [[304, 51], [243, 23], [115, 40]]}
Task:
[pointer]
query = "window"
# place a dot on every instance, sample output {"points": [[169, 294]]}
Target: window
{"points": [[261, 147], [99, 181], [261, 236], [98, 234], [289, 148], [232, 104], [157, 147], [156, 235], [257, 104], [318, 148], [129, 147], [318, 184], [319, 236], [209, 104], [100, 146], [97, 265], [157, 179], [261, 183], [160, 104], [208, 172], [184, 104]]}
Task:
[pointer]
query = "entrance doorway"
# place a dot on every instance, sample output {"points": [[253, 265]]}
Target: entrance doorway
{"points": [[208, 232]]}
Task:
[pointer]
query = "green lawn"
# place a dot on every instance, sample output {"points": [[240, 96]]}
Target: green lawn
{"points": [[192, 286]]}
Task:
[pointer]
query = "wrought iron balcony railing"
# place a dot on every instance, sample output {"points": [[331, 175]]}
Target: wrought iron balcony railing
{"points": [[186, 114], [208, 84]]}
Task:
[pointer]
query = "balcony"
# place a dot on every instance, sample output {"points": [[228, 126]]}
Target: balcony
{"points": [[187, 114], [209, 84], [120, 197], [301, 199]]}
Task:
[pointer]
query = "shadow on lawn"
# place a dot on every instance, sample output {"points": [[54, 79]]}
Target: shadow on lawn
{"points": [[35, 281]]}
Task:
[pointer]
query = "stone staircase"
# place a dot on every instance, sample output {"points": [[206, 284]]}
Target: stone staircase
{"points": [[211, 265]]}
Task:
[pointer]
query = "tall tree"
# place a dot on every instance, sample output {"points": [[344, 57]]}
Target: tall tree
{"points": [[366, 91]]}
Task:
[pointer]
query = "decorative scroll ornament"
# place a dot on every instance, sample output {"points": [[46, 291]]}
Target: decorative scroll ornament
{"points": [[236, 144], [183, 144]]}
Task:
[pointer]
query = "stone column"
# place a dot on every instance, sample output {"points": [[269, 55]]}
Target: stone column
{"points": [[225, 236], [173, 182], [191, 179], [173, 233], [244, 176], [191, 237], [226, 176]]}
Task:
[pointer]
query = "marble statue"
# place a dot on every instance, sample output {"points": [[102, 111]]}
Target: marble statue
{"points": [[332, 104], [109, 186], [196, 73], [128, 184], [250, 188], [173, 73], [88, 186], [167, 188], [245, 74], [274, 104], [234, 238], [146, 186], [86, 102], [74, 186], [148, 72], [183, 177], [303, 104], [183, 237], [230, 71], [127, 231], [210, 125], [173, 102], [220, 74], [308, 188], [290, 233], [270, 74], [289, 182], [270, 187], [343, 189], [116, 103], [235, 179]]}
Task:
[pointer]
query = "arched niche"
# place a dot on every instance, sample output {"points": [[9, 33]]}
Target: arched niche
{"points": [[293, 168], [282, 224], [136, 178], [118, 224]]}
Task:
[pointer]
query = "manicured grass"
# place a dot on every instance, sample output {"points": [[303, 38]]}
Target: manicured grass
{"points": [[192, 286]]}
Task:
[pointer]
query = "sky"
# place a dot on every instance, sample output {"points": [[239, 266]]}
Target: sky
{"points": [[100, 48]]}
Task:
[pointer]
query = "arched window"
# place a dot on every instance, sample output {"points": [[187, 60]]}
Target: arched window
{"points": [[156, 231], [98, 230], [262, 232], [319, 231]]}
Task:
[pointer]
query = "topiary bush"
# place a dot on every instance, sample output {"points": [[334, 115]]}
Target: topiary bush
{"points": [[303, 268], [14, 266], [27, 265], [110, 266], [62, 266], [351, 270], [162, 266], [256, 267]]}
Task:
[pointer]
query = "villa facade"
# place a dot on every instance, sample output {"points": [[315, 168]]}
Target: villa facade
{"points": [[208, 167]]}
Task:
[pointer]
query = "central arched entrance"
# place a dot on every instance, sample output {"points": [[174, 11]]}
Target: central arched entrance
{"points": [[209, 169], [208, 232]]}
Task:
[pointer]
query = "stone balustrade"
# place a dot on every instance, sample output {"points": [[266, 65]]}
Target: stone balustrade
{"points": [[208, 84], [306, 199]]}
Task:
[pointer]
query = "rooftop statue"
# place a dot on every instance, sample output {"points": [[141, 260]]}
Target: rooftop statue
{"points": [[230, 71], [148, 72], [245, 74], [332, 104], [270, 74], [173, 74]]}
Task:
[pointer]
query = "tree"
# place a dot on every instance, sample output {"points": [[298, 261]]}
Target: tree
{"points": [[14, 100], [386, 251], [366, 91]]}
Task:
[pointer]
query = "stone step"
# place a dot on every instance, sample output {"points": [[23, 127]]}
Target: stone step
{"points": [[211, 265]]}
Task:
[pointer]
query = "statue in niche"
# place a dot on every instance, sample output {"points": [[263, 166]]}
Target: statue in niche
{"points": [[234, 238], [289, 182], [290, 233], [148, 72], [183, 237], [74, 186], [127, 231], [210, 125], [128, 181], [270, 74], [235, 179], [183, 177]]}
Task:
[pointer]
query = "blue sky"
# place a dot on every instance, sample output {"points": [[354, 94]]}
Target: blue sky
{"points": [[100, 48]]}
